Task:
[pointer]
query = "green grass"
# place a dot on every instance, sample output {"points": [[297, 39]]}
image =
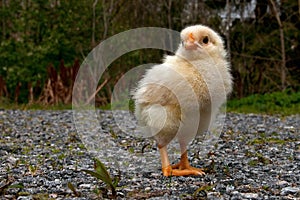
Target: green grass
{"points": [[34, 106], [282, 103]]}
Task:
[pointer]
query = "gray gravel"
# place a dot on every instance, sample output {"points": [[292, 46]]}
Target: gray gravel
{"points": [[256, 157]]}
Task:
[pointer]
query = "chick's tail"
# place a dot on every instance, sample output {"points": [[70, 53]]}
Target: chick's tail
{"points": [[159, 122]]}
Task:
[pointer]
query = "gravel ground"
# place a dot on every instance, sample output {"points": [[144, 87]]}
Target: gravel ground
{"points": [[256, 157]]}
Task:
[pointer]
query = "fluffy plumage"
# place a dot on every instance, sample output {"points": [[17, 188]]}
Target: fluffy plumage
{"points": [[180, 97]]}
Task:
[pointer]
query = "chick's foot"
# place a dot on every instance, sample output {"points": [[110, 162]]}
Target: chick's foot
{"points": [[179, 170]]}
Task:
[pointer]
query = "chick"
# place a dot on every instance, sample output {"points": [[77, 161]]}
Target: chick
{"points": [[180, 97]]}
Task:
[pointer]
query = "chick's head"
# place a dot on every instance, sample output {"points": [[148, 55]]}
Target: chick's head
{"points": [[199, 42]]}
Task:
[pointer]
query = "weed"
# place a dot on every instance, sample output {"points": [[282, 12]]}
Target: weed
{"points": [[211, 168], [8, 185], [203, 189], [62, 156], [226, 170], [131, 150], [32, 169], [55, 151], [253, 163], [112, 133], [81, 146], [265, 187], [169, 181], [73, 189], [102, 174], [26, 150]]}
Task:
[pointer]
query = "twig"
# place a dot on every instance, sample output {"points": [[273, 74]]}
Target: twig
{"points": [[94, 94]]}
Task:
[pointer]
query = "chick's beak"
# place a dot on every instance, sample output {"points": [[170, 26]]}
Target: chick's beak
{"points": [[190, 43]]}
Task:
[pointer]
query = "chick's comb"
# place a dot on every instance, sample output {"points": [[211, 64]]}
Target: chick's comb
{"points": [[191, 37]]}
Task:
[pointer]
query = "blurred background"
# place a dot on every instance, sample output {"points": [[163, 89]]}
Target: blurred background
{"points": [[43, 43]]}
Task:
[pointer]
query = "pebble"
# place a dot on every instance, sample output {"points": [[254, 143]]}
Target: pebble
{"points": [[24, 197], [289, 190], [12, 160], [249, 195], [229, 188], [85, 185], [261, 128], [282, 183], [214, 196]]}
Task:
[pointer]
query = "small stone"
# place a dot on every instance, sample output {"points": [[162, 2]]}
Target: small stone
{"points": [[156, 175], [12, 160], [85, 185], [53, 196], [24, 197], [3, 153], [147, 189], [288, 127], [235, 193], [120, 194], [229, 188], [282, 183], [261, 128], [249, 195], [289, 190], [214, 196], [57, 181]]}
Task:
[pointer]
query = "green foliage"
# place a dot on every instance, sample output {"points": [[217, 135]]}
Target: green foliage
{"points": [[37, 33], [283, 103], [102, 174], [34, 34]]}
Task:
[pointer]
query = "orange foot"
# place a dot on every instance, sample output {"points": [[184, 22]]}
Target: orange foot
{"points": [[180, 170]]}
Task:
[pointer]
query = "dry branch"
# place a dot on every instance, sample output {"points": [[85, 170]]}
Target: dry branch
{"points": [[95, 93]]}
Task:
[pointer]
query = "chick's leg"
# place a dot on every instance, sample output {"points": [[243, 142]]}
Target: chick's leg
{"points": [[166, 167], [183, 168]]}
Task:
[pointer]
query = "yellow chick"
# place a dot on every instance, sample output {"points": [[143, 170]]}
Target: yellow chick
{"points": [[180, 97]]}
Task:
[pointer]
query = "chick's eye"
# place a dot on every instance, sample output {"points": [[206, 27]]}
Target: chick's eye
{"points": [[205, 40]]}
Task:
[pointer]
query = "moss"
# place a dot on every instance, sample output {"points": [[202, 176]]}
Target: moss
{"points": [[41, 196], [257, 141], [276, 141], [55, 151], [257, 158], [253, 163], [270, 140], [23, 193]]}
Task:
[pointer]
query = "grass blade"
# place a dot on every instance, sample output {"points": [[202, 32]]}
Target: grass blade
{"points": [[101, 169]]}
